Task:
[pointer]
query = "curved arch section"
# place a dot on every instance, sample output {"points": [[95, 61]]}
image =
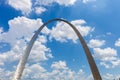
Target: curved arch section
{"points": [[23, 60]]}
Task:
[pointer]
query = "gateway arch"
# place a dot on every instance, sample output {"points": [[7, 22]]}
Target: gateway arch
{"points": [[23, 60]]}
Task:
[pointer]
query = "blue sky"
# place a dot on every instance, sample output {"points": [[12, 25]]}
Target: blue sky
{"points": [[57, 53]]}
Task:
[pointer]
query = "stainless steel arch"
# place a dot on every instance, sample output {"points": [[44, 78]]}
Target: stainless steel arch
{"points": [[23, 60]]}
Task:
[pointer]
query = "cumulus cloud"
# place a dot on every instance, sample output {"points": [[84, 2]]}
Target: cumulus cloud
{"points": [[39, 10], [96, 43], [59, 65], [107, 56], [21, 29], [25, 6], [1, 30], [66, 2], [105, 64], [59, 71], [108, 76], [39, 52], [87, 1], [5, 74], [116, 63], [117, 43], [12, 55], [49, 2], [63, 32]]}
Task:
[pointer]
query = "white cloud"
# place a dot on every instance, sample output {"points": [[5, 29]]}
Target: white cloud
{"points": [[105, 64], [60, 2], [107, 56], [39, 10], [117, 43], [63, 32], [43, 2], [46, 31], [108, 33], [34, 67], [1, 30], [87, 1], [27, 6], [5, 74], [39, 52], [59, 71], [23, 5], [9, 56], [21, 29], [59, 65], [66, 2], [116, 63], [84, 30], [42, 39], [39, 5], [108, 76], [96, 43], [12, 55]]}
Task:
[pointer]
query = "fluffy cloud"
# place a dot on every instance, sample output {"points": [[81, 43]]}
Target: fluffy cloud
{"points": [[84, 30], [21, 29], [65, 2], [27, 6], [117, 43], [59, 65], [106, 54], [1, 30], [59, 71], [39, 52], [87, 1], [5, 75], [23, 5], [116, 63], [96, 43], [63, 32], [108, 57], [108, 76], [38, 72], [105, 64], [49, 2], [39, 10], [12, 55]]}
